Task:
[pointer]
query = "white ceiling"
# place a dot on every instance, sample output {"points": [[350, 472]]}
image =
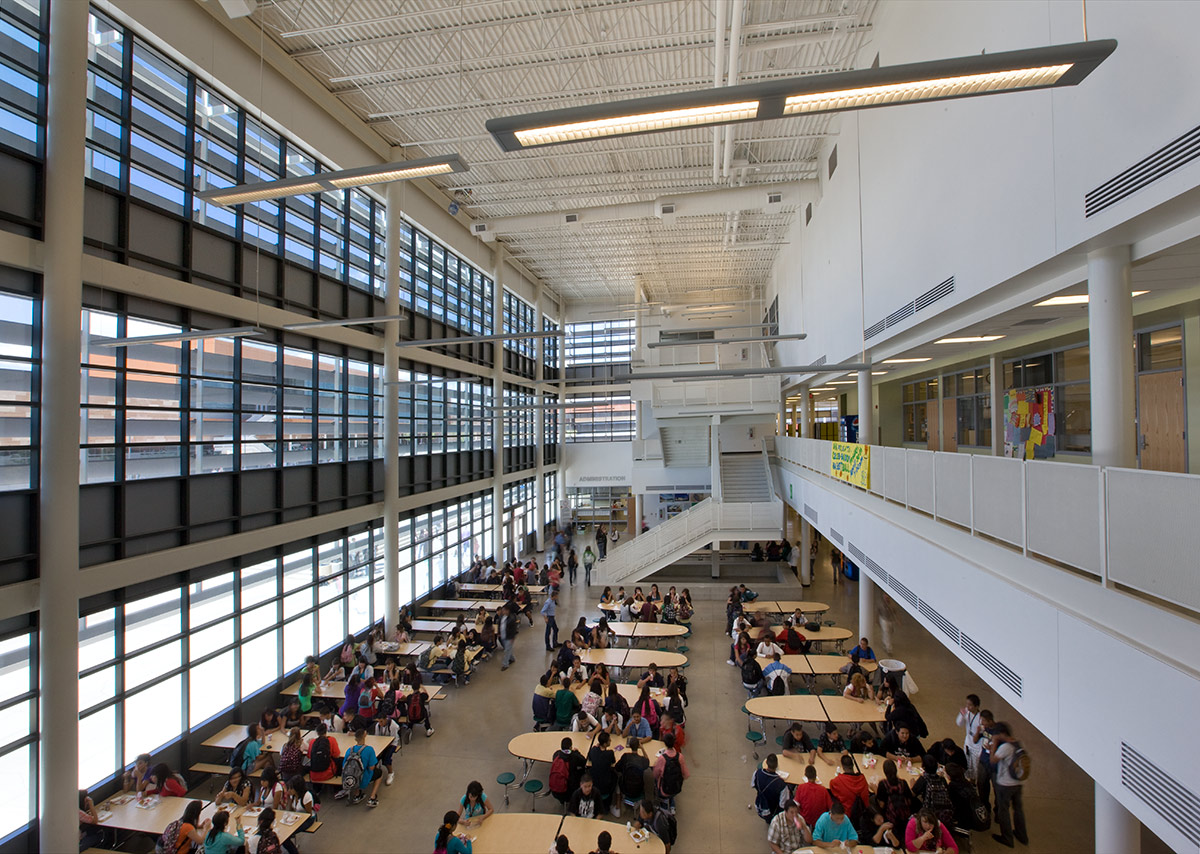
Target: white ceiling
{"points": [[427, 74]]}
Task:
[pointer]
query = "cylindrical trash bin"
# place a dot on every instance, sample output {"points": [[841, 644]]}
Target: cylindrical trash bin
{"points": [[893, 667]]}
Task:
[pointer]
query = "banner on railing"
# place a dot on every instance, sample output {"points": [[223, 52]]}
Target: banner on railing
{"points": [[851, 463]]}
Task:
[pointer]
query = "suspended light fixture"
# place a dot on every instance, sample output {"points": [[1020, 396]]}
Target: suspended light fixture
{"points": [[231, 332], [349, 321], [481, 339], [360, 176], [794, 336], [943, 79]]}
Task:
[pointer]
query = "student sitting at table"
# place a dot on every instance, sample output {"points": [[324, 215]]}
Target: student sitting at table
{"points": [[270, 722], [593, 700], [606, 598], [776, 675], [863, 651], [857, 689], [585, 723], [391, 671], [581, 635], [362, 668], [577, 673], [647, 612], [875, 829], [91, 834], [600, 636], [473, 807], [797, 745], [853, 666], [217, 841], [404, 620], [290, 716], [850, 786], [461, 664], [265, 838], [346, 656], [312, 667], [163, 782], [603, 843], [610, 721], [336, 672], [487, 637], [271, 790], [323, 758], [185, 832], [831, 746], [458, 631], [237, 789], [654, 596], [366, 649], [792, 640], [756, 553], [566, 704], [812, 797], [648, 708], [627, 612], [299, 799], [585, 801], [833, 828], [650, 676], [291, 755], [638, 596], [603, 761], [901, 745], [746, 593], [136, 778], [864, 741], [674, 702], [926, 833], [446, 841], [947, 752], [740, 650], [638, 726], [524, 603]]}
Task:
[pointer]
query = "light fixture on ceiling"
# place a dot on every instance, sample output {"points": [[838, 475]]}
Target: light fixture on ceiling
{"points": [[907, 361], [360, 176], [1076, 299], [710, 379], [969, 339], [822, 389], [349, 321], [844, 382], [231, 332], [960, 77], [878, 373], [795, 336], [481, 339]]}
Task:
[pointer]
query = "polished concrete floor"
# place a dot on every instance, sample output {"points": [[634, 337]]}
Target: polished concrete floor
{"points": [[474, 724]]}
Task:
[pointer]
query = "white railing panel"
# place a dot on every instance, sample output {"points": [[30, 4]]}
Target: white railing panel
{"points": [[918, 469], [821, 456], [1153, 535], [997, 498], [878, 470], [1062, 520], [952, 476], [895, 486]]}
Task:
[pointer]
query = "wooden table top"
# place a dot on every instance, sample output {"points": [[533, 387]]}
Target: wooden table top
{"points": [[337, 690], [816, 665], [487, 589], [432, 625], [825, 773], [629, 692], [463, 604], [402, 650], [790, 707], [521, 833], [783, 606], [647, 630], [823, 634], [152, 817], [610, 657], [843, 710], [232, 735], [645, 657], [541, 746], [286, 823]]}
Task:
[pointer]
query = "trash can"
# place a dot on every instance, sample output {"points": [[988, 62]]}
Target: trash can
{"points": [[894, 667]]}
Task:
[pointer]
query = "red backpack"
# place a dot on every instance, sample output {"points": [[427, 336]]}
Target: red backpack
{"points": [[416, 712], [560, 774]]}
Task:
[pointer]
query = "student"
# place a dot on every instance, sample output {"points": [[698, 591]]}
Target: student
{"points": [[323, 755], [270, 722], [788, 830], [767, 647], [930, 791], [647, 707], [968, 719], [549, 610], [91, 835], [926, 833], [610, 721], [1008, 788], [460, 665], [299, 800], [350, 695], [776, 675], [676, 680], [291, 755], [658, 821], [585, 802], [271, 790], [566, 704], [606, 598], [236, 790], [593, 700], [346, 657], [473, 806], [831, 745], [670, 770], [585, 723], [893, 797], [771, 792], [747, 595], [581, 635], [136, 778], [185, 832], [603, 761], [833, 828], [304, 701], [797, 745], [857, 689], [667, 726], [572, 566], [901, 745], [631, 770], [217, 841], [948, 753], [336, 672], [603, 843], [813, 798], [651, 677], [864, 741], [447, 841], [850, 785], [267, 838], [164, 783], [566, 769], [875, 829], [589, 560], [368, 786], [362, 668], [577, 673], [863, 651]]}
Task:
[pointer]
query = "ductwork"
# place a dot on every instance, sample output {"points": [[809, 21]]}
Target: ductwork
{"points": [[765, 197]]}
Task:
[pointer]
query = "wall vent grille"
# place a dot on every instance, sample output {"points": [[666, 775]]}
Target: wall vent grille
{"points": [[908, 596], [810, 514], [902, 313], [1176, 153], [909, 309], [999, 668], [836, 536], [1161, 792], [821, 360], [938, 620], [872, 331], [934, 294]]}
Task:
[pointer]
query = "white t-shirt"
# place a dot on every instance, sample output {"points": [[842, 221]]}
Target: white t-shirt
{"points": [[1002, 760], [303, 805], [969, 721], [767, 649]]}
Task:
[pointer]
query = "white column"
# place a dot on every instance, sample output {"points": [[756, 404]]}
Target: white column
{"points": [[498, 406], [1117, 831], [1110, 357], [391, 409], [866, 605], [805, 548], [58, 498], [782, 430], [539, 426], [805, 413], [996, 388], [866, 409]]}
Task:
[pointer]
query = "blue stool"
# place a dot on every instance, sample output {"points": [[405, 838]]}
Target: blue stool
{"points": [[533, 787], [755, 738], [507, 780]]}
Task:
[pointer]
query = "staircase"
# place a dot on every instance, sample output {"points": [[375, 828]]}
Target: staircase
{"points": [[746, 478], [745, 509], [685, 443]]}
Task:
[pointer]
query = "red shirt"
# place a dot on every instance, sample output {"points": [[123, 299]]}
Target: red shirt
{"points": [[814, 801], [331, 771], [847, 787], [170, 788]]}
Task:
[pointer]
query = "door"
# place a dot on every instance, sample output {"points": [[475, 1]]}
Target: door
{"points": [[1161, 438], [949, 425]]}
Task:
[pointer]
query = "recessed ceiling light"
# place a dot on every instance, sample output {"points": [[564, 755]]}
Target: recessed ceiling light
{"points": [[822, 389], [878, 373], [1075, 299], [969, 339], [844, 382], [906, 361]]}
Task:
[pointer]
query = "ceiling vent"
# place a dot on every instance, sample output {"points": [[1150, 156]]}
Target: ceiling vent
{"points": [[483, 231], [1035, 321], [572, 221], [665, 211], [942, 289], [1161, 792], [774, 198], [1176, 153]]}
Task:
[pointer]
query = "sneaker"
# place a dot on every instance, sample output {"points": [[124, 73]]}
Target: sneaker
{"points": [[373, 802], [358, 799], [1002, 840], [730, 662], [429, 732], [505, 667], [341, 794], [407, 734], [388, 780]]}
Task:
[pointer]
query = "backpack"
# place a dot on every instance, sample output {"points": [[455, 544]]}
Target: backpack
{"points": [[778, 686], [669, 827], [937, 798], [767, 801], [322, 757], [632, 780], [387, 706], [980, 813], [168, 843], [898, 808], [560, 774], [668, 612], [751, 671], [352, 769], [1019, 764], [238, 757], [416, 713], [671, 782]]}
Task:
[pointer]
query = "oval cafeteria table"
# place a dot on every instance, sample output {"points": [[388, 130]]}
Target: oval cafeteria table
{"points": [[826, 634], [811, 707], [629, 692], [523, 833], [337, 691], [825, 773], [231, 736], [532, 747], [643, 658], [153, 818], [647, 630]]}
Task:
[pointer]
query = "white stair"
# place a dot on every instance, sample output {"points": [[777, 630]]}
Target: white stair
{"points": [[685, 444], [745, 477]]}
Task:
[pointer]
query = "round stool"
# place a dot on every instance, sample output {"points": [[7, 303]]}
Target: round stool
{"points": [[533, 787], [755, 738], [506, 780], [779, 740], [682, 649]]}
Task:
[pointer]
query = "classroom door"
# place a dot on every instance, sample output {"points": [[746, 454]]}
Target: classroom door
{"points": [[1160, 405]]}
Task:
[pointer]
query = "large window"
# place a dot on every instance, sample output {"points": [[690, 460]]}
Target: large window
{"points": [[972, 401], [18, 386], [22, 83], [520, 418], [599, 417], [438, 545], [519, 316], [920, 407], [18, 715], [550, 350], [520, 515], [1066, 373], [550, 492], [600, 342]]}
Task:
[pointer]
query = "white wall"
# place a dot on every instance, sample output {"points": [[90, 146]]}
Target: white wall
{"points": [[985, 189], [598, 464], [1083, 683]]}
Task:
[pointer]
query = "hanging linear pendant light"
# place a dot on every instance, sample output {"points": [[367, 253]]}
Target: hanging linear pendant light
{"points": [[481, 339], [348, 321], [170, 338], [962, 77], [360, 176]]}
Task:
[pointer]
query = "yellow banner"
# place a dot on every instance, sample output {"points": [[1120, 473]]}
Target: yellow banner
{"points": [[851, 463]]}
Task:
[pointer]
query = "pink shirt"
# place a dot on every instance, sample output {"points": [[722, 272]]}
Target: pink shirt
{"points": [[947, 842]]}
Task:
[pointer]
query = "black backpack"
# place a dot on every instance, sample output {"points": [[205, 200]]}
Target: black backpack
{"points": [[671, 783], [238, 758], [751, 671], [387, 706], [667, 824], [767, 801], [632, 780], [322, 758], [937, 799]]}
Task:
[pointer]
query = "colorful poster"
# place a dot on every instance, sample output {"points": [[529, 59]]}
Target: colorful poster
{"points": [[1029, 424], [851, 463]]}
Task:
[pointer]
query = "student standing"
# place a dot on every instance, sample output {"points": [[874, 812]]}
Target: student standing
{"points": [[589, 560], [549, 611], [1008, 788]]}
